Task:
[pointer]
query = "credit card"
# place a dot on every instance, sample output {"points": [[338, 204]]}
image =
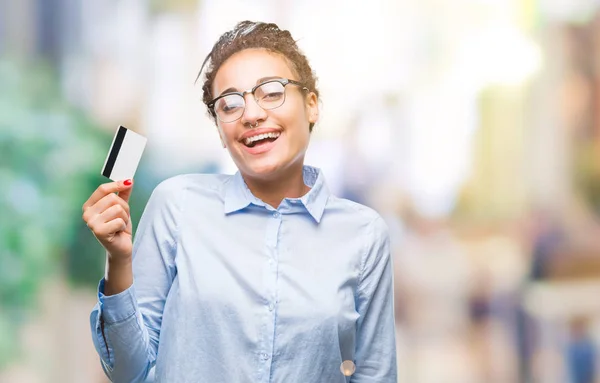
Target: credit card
{"points": [[124, 155]]}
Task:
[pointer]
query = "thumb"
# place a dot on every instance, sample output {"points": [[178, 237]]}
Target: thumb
{"points": [[125, 189]]}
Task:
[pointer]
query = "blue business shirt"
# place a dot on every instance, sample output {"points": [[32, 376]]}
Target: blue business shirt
{"points": [[229, 289]]}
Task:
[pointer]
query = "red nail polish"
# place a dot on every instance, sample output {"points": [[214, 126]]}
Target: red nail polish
{"points": [[127, 182]]}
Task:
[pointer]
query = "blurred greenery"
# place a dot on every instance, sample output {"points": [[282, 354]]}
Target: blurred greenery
{"points": [[165, 6], [50, 159]]}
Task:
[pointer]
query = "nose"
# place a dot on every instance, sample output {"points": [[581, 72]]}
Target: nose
{"points": [[252, 112]]}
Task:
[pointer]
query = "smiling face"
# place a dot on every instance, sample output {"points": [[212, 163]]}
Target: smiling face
{"points": [[280, 141]]}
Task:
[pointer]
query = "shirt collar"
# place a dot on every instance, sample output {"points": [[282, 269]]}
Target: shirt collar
{"points": [[238, 196], [315, 200]]}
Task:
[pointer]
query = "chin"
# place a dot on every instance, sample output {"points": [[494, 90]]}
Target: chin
{"points": [[269, 165], [264, 170]]}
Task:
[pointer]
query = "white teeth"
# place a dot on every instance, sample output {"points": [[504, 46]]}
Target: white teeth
{"points": [[259, 137]]}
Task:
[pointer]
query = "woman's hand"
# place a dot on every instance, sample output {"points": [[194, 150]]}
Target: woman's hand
{"points": [[107, 216]]}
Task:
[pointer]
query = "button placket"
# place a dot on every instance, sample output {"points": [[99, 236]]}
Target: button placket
{"points": [[274, 224]]}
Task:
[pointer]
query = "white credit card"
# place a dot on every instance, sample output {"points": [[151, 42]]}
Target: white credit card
{"points": [[124, 155]]}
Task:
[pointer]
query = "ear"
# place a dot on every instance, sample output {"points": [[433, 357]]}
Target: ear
{"points": [[312, 107]]}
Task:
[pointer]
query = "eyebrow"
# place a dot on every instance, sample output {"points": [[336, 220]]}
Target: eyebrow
{"points": [[260, 80]]}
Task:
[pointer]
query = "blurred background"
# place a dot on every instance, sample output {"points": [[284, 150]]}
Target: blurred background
{"points": [[472, 126]]}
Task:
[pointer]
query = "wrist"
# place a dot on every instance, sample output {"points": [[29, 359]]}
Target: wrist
{"points": [[118, 260], [118, 276]]}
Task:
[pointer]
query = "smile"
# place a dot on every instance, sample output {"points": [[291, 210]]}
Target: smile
{"points": [[261, 139]]}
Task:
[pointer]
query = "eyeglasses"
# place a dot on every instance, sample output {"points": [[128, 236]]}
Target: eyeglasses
{"points": [[268, 95]]}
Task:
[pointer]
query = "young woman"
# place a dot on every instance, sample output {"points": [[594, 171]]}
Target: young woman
{"points": [[263, 276]]}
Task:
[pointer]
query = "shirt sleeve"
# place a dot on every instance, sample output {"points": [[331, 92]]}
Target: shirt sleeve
{"points": [[375, 356], [126, 326]]}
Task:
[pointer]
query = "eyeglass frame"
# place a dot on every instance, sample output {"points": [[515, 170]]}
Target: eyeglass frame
{"points": [[282, 81]]}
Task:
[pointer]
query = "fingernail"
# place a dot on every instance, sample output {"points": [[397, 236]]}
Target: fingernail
{"points": [[127, 182]]}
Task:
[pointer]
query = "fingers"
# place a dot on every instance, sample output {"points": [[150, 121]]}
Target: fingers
{"points": [[109, 228], [124, 194], [104, 224], [108, 188], [102, 205]]}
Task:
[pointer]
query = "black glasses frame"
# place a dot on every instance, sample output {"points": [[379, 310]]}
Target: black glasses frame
{"points": [[282, 81]]}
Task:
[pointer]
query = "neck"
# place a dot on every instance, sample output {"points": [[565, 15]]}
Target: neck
{"points": [[273, 191]]}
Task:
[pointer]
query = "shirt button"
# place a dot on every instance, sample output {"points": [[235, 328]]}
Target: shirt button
{"points": [[276, 214], [264, 356], [271, 306]]}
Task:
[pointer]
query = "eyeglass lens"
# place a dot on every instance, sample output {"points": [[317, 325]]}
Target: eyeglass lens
{"points": [[269, 95]]}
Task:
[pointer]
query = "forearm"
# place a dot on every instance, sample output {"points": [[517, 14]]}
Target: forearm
{"points": [[126, 346], [118, 275], [376, 344]]}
